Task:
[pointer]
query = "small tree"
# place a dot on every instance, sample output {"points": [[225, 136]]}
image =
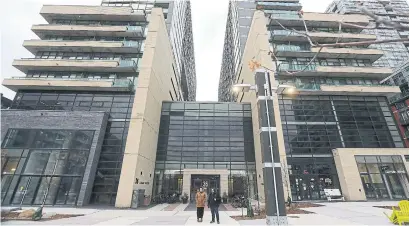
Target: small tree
{"points": [[286, 181]]}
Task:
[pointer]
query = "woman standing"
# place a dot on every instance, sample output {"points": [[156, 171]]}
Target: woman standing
{"points": [[201, 198]]}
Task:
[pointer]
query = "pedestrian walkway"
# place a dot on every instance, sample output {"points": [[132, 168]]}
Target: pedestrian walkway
{"points": [[340, 213], [192, 207]]}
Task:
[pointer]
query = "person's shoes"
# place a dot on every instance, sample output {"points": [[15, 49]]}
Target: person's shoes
{"points": [[218, 222], [198, 220], [211, 222]]}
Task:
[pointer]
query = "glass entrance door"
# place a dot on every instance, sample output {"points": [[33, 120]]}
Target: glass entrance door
{"points": [[207, 182]]}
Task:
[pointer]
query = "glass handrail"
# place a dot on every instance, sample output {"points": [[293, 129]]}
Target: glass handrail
{"points": [[62, 78], [398, 97], [295, 67], [279, 3], [292, 48], [116, 82], [285, 16], [127, 63], [284, 32]]}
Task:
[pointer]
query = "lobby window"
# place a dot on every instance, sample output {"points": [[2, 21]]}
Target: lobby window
{"points": [[383, 176], [40, 165], [208, 136]]}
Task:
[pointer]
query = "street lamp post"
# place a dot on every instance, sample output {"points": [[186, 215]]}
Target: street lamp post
{"points": [[272, 174]]}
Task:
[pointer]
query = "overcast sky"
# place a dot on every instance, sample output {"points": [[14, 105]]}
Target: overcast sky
{"points": [[209, 23]]}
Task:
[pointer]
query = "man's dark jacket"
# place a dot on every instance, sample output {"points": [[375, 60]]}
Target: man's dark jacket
{"points": [[214, 200]]}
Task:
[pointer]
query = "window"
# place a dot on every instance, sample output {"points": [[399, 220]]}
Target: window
{"points": [[52, 161]]}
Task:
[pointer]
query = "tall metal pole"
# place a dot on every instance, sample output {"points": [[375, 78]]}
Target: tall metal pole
{"points": [[272, 175]]}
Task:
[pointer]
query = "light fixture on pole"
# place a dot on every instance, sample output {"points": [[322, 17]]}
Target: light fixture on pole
{"points": [[272, 175]]}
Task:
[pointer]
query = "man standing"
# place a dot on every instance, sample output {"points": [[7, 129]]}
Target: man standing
{"points": [[200, 204], [213, 203]]}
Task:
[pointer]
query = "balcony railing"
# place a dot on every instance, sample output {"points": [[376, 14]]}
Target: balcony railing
{"points": [[403, 121], [398, 97], [130, 44], [127, 63], [282, 4], [116, 82], [285, 16], [296, 67], [292, 48], [407, 134]]}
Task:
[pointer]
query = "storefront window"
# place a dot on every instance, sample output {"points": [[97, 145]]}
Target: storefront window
{"points": [[383, 177]]}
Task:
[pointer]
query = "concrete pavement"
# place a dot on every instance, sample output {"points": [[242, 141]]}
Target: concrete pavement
{"points": [[340, 213]]}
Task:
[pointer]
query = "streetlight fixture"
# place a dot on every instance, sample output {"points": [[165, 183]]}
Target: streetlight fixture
{"points": [[272, 174]]}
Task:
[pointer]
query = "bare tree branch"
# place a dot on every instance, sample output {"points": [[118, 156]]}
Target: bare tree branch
{"points": [[295, 31], [380, 20], [307, 65], [363, 43]]}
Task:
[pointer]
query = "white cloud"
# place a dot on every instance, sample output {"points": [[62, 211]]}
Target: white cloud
{"points": [[209, 23]]}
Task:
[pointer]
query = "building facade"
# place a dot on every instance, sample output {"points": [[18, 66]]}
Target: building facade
{"points": [[88, 60], [340, 103], [205, 145], [5, 102], [237, 29], [395, 54], [400, 102], [178, 17]]}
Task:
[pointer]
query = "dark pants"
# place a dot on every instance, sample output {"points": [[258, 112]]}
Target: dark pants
{"points": [[215, 211], [199, 212]]}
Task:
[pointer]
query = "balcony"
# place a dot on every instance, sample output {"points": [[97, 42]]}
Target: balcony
{"points": [[345, 53], [319, 19], [339, 89], [333, 71], [407, 134], [404, 34], [403, 121], [399, 97], [77, 84], [326, 37], [82, 46], [279, 5], [321, 37], [73, 12], [27, 64], [42, 30]]}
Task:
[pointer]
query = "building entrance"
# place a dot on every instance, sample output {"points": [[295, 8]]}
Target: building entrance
{"points": [[207, 182]]}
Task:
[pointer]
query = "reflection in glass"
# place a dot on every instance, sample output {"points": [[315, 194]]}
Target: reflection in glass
{"points": [[386, 177], [36, 162], [205, 136], [53, 174], [10, 165]]}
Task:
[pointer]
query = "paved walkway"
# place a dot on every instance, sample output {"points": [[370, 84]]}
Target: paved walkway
{"points": [[342, 213]]}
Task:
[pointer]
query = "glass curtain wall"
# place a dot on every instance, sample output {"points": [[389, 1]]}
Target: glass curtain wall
{"points": [[205, 136], [43, 166], [314, 125], [119, 107], [383, 177]]}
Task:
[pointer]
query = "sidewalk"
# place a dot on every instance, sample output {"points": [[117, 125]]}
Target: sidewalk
{"points": [[341, 213]]}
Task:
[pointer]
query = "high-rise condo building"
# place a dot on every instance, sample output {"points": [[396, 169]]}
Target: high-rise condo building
{"points": [[395, 54], [98, 75], [336, 128], [179, 25]]}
